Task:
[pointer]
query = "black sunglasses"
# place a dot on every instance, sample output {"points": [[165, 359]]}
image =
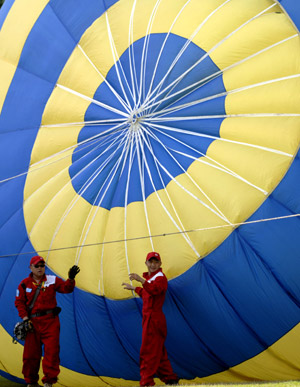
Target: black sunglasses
{"points": [[40, 265]]}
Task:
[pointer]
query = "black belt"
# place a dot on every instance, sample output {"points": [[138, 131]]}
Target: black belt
{"points": [[42, 313]]}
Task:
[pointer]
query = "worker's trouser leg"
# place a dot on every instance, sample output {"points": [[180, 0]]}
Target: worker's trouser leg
{"points": [[50, 339], [46, 332], [153, 354], [31, 357]]}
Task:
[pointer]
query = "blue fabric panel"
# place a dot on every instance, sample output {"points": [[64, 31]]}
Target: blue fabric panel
{"points": [[95, 112], [4, 11], [12, 378], [24, 125], [99, 334], [215, 88], [128, 328], [11, 193], [212, 314], [92, 173], [182, 142], [292, 7], [212, 107], [277, 244], [76, 16], [209, 126], [141, 49], [185, 310], [10, 244], [269, 309], [6, 266], [54, 43], [288, 191], [8, 313], [71, 352]]}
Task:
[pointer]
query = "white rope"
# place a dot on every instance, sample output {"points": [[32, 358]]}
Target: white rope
{"points": [[162, 48], [117, 62], [196, 134], [157, 89], [218, 165], [142, 181], [145, 52], [131, 57], [233, 226], [76, 198], [130, 162], [223, 217], [35, 166], [119, 98], [81, 191], [96, 204], [187, 238], [158, 196], [178, 79], [83, 123], [174, 109], [204, 81], [92, 100]]}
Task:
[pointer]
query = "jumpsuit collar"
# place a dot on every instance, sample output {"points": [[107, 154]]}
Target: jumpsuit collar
{"points": [[42, 280], [147, 275]]}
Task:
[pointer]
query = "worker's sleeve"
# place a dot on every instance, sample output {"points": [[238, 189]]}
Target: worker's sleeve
{"points": [[62, 286], [159, 285], [20, 302], [139, 291]]}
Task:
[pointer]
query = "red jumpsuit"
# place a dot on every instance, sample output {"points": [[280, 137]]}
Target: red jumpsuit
{"points": [[153, 354], [46, 327]]}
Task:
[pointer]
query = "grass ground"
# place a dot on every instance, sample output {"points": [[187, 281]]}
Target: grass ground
{"points": [[7, 383]]}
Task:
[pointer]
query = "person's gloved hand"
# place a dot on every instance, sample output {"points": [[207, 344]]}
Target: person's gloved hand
{"points": [[73, 272], [28, 326]]}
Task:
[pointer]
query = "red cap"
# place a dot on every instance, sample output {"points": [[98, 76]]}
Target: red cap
{"points": [[36, 259], [153, 254]]}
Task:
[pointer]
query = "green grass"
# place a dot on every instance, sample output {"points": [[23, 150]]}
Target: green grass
{"points": [[6, 383]]}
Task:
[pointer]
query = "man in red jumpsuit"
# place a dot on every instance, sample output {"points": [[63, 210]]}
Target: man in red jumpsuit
{"points": [[44, 319], [153, 355]]}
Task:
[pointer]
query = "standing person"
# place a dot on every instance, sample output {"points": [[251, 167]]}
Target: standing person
{"points": [[43, 318], [153, 354]]}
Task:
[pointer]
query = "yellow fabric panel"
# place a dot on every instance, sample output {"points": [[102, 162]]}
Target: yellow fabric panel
{"points": [[6, 75], [61, 218], [279, 362], [51, 161], [23, 15], [209, 37], [161, 218], [192, 212], [114, 265], [63, 107], [80, 73], [59, 139], [13, 352], [278, 97], [118, 20], [278, 133], [246, 160], [278, 62], [260, 34], [136, 227], [39, 194], [235, 198]]}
